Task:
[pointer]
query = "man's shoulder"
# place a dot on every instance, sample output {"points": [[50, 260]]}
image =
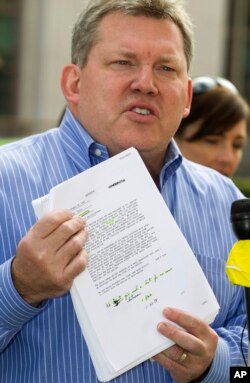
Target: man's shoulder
{"points": [[22, 145], [26, 152], [209, 180]]}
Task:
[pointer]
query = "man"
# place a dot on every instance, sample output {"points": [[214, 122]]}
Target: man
{"points": [[128, 85]]}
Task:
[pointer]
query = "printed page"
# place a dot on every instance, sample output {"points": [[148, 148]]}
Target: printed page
{"points": [[139, 261]]}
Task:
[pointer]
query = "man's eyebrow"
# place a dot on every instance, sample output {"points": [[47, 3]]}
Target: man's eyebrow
{"points": [[167, 58], [125, 53]]}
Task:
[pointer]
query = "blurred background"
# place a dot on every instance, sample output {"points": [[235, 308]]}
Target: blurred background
{"points": [[35, 44]]}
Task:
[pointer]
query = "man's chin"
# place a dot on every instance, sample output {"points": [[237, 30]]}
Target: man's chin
{"points": [[142, 144]]}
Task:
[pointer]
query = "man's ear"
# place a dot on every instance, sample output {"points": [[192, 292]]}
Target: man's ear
{"points": [[189, 98], [70, 83]]}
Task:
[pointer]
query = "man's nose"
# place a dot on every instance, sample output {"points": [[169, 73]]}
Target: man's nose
{"points": [[144, 81]]}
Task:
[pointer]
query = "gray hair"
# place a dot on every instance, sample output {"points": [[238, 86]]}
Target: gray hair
{"points": [[85, 31]]}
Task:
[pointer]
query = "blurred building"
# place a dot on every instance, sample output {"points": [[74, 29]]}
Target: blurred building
{"points": [[35, 44]]}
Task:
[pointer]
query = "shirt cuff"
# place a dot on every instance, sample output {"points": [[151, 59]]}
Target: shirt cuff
{"points": [[15, 311], [220, 368]]}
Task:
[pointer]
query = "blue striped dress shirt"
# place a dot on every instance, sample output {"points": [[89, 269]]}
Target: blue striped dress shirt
{"points": [[45, 344]]}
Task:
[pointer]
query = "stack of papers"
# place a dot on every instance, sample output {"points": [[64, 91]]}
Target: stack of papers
{"points": [[139, 263]]}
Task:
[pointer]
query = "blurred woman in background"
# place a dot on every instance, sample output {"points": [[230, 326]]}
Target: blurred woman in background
{"points": [[215, 132]]}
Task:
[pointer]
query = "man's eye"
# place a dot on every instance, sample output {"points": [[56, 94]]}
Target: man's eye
{"points": [[166, 68]]}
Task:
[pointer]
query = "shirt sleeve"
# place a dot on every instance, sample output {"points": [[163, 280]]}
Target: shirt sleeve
{"points": [[220, 368], [233, 342], [14, 311]]}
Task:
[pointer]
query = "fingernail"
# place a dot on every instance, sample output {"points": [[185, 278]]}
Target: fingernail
{"points": [[162, 326], [167, 312]]}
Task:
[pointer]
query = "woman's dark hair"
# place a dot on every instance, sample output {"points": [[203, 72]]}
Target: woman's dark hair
{"points": [[218, 110]]}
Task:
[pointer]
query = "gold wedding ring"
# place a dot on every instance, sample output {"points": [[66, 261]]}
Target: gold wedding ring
{"points": [[183, 357]]}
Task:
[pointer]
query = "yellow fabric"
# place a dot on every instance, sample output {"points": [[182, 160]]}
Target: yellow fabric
{"points": [[238, 263]]}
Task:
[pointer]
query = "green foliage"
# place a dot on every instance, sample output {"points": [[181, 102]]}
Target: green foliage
{"points": [[243, 184], [7, 140]]}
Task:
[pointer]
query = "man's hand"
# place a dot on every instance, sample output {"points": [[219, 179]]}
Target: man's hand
{"points": [[194, 348], [50, 256]]}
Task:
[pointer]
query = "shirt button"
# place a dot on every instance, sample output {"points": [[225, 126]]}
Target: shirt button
{"points": [[98, 152]]}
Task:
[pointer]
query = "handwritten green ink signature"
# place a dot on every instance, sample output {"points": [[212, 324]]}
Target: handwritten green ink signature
{"points": [[137, 291]]}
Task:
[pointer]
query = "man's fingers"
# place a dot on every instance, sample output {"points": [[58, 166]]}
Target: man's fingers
{"points": [[174, 352], [182, 338], [68, 231], [193, 336], [77, 265], [191, 324], [50, 222], [57, 228], [72, 246]]}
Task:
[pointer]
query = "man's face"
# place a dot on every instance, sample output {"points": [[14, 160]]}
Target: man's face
{"points": [[134, 89]]}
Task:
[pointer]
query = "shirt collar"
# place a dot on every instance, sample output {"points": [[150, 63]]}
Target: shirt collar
{"points": [[173, 161], [79, 145], [85, 152]]}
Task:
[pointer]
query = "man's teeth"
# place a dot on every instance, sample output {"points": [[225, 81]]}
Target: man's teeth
{"points": [[141, 111]]}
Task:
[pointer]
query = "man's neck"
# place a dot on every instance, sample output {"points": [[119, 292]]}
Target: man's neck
{"points": [[154, 165]]}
